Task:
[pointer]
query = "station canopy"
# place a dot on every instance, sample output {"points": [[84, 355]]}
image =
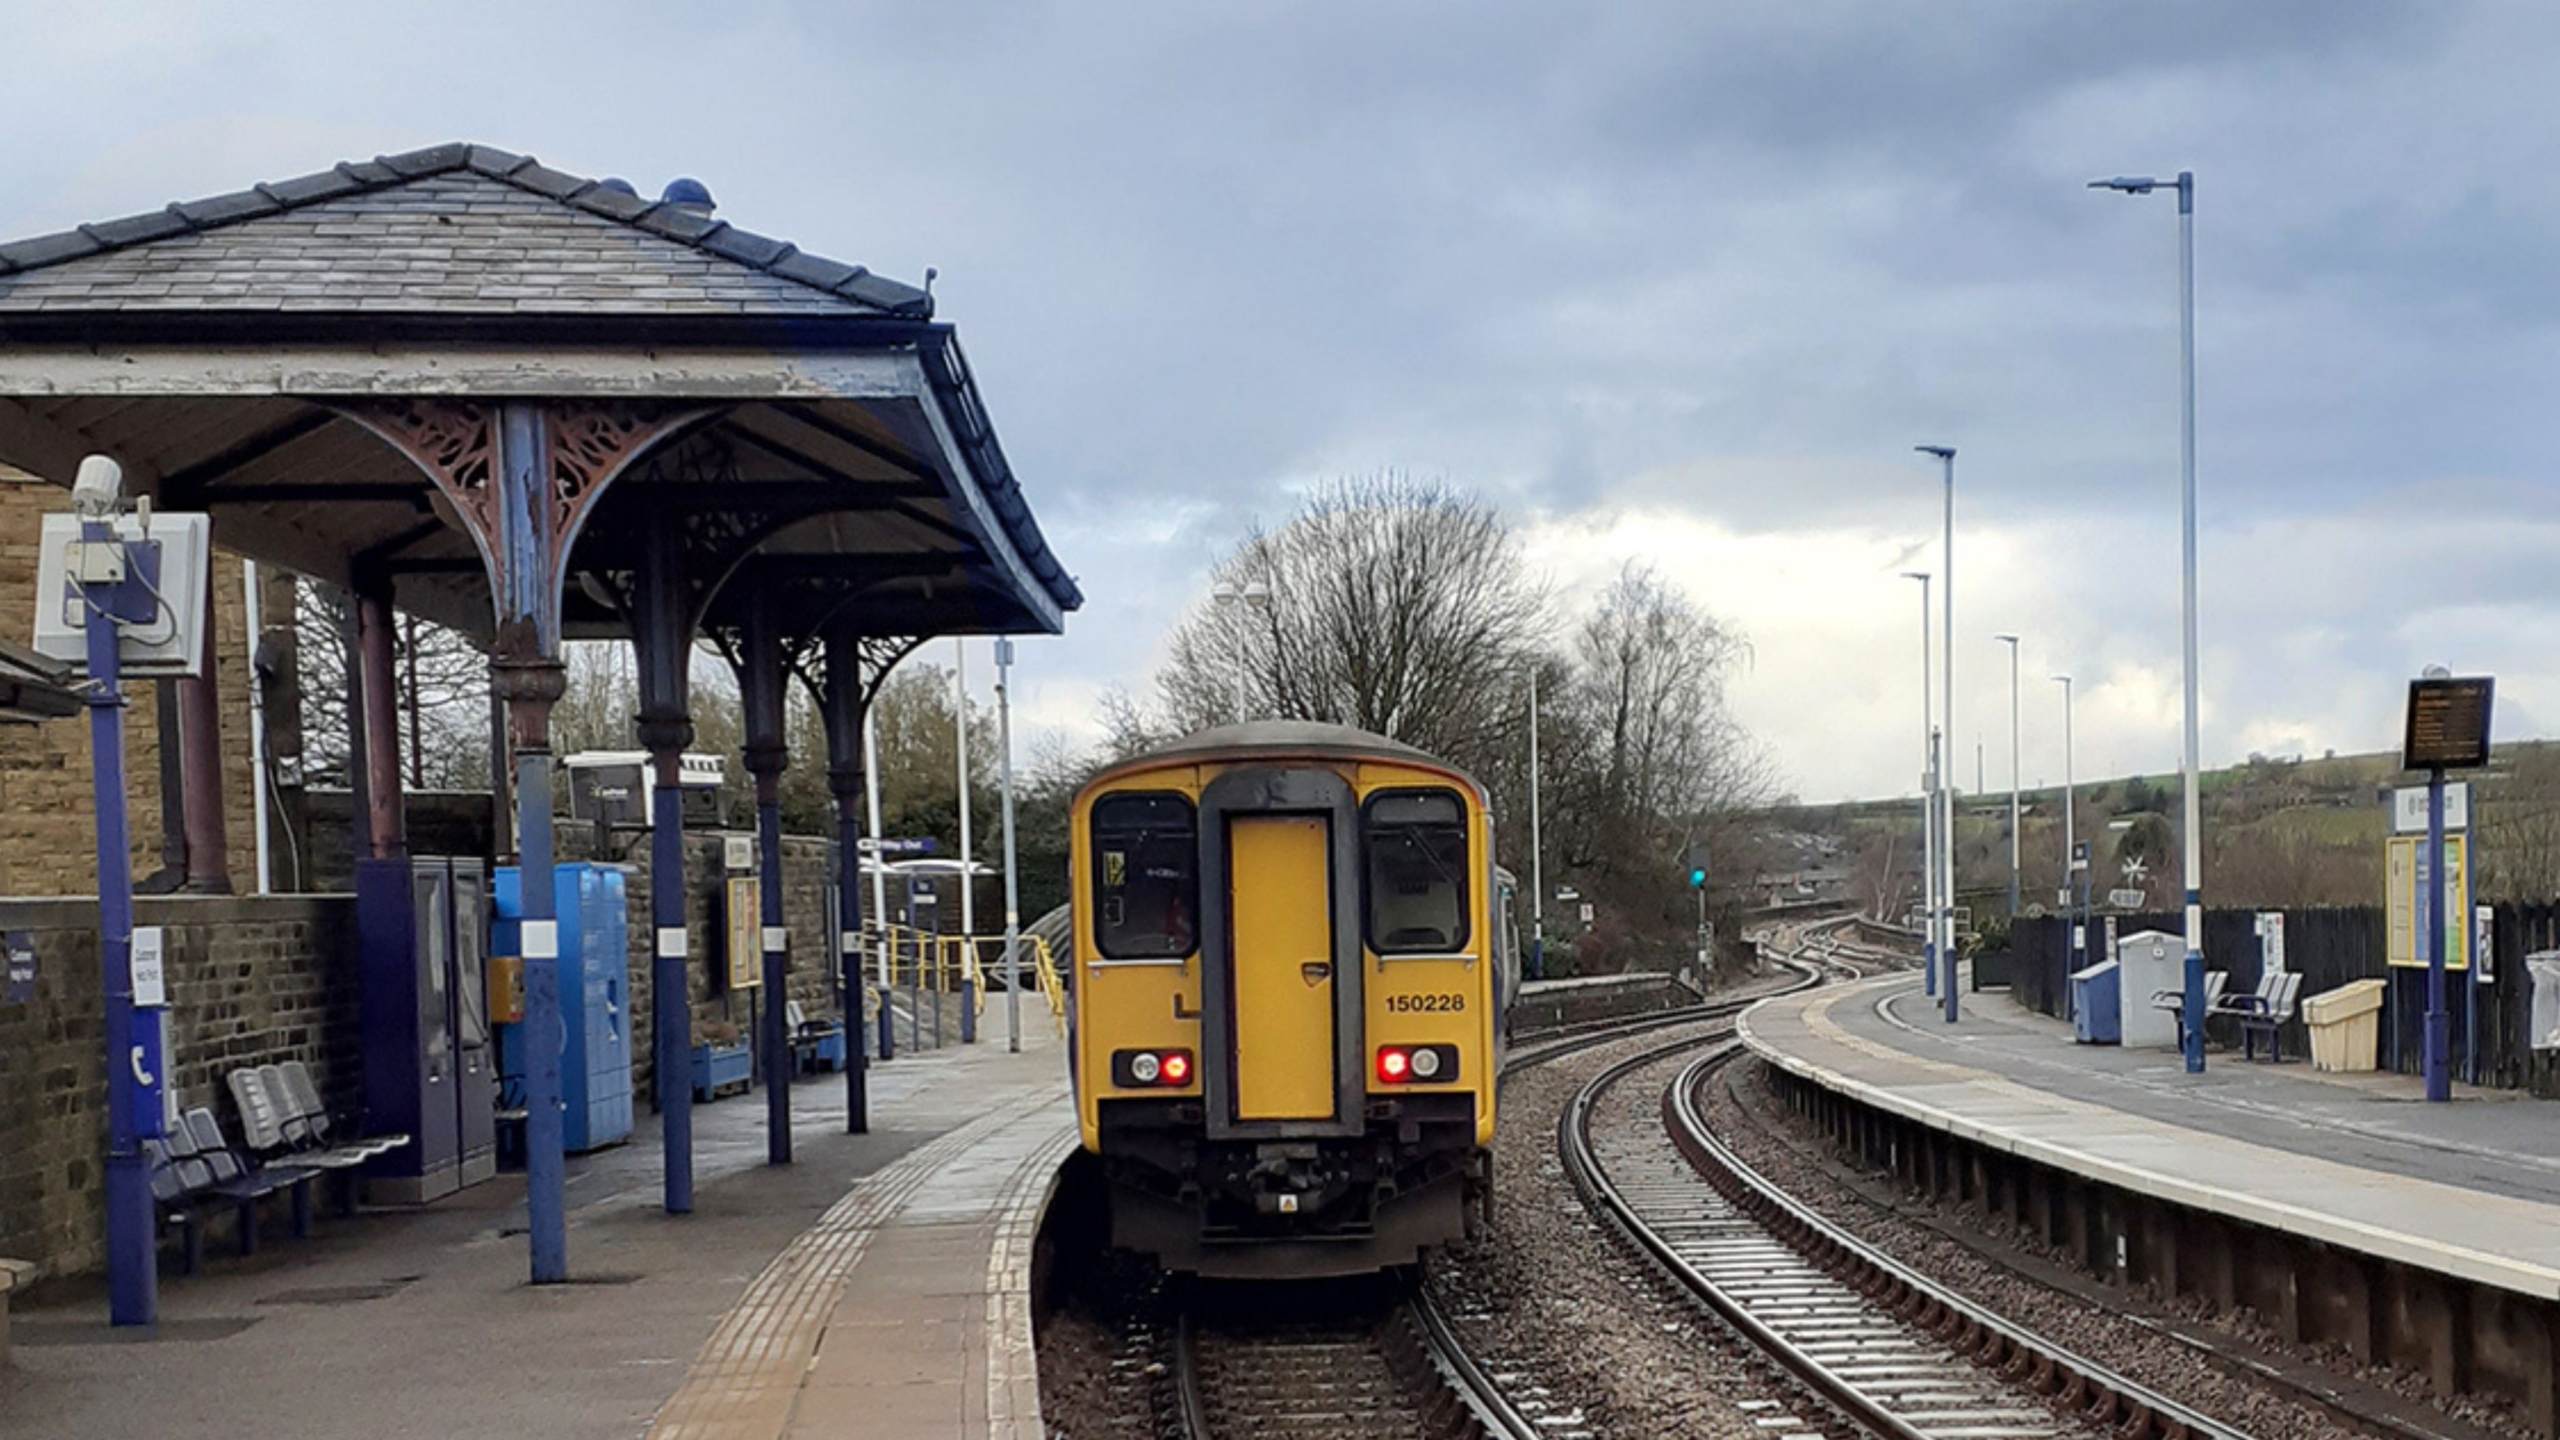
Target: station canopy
{"points": [[293, 358]]}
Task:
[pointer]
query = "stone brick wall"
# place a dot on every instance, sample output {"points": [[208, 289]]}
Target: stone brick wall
{"points": [[252, 980], [48, 841]]}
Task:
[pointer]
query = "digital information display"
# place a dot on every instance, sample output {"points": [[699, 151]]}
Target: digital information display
{"points": [[2448, 723]]}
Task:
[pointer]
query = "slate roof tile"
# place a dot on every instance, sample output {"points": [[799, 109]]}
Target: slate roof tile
{"points": [[448, 229]]}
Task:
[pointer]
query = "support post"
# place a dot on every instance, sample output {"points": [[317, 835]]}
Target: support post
{"points": [[2431, 924], [662, 633], [386, 824], [841, 704], [1012, 892], [526, 670], [133, 1112], [200, 768], [765, 753]]}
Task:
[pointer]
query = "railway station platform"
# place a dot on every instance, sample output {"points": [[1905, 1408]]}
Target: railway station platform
{"points": [[2337, 1207], [879, 1286]]}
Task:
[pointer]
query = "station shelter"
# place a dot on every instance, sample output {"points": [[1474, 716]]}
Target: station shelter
{"points": [[533, 407]]}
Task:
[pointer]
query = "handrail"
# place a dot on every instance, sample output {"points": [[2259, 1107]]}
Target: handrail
{"points": [[927, 960]]}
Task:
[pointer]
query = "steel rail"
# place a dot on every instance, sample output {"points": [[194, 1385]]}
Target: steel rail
{"points": [[2072, 1381]]}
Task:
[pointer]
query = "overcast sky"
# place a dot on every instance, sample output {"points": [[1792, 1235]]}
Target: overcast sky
{"points": [[1680, 281]]}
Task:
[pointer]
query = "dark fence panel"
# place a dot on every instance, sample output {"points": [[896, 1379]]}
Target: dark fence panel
{"points": [[2330, 947]]}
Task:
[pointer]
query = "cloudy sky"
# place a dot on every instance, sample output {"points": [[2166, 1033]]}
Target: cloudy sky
{"points": [[1681, 281]]}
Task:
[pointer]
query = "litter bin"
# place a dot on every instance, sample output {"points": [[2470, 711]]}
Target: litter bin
{"points": [[2097, 1004], [2346, 1026], [2542, 968]]}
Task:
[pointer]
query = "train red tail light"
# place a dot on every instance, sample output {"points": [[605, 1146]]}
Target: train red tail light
{"points": [[1417, 1064], [1151, 1069]]}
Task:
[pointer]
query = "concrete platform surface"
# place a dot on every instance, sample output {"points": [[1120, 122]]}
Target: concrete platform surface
{"points": [[877, 1287], [2470, 1188]]}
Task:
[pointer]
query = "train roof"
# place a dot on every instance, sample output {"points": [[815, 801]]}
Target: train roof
{"points": [[1261, 739]]}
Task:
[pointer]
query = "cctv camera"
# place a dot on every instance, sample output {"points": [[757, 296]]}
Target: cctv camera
{"points": [[100, 483]]}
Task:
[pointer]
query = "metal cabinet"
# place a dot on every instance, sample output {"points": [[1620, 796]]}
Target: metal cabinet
{"points": [[592, 906], [428, 1069]]}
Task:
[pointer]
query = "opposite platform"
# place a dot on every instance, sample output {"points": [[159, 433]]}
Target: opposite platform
{"points": [[2469, 1190]]}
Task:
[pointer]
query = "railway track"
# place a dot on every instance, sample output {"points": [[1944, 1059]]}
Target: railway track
{"points": [[1389, 1367], [1888, 1351]]}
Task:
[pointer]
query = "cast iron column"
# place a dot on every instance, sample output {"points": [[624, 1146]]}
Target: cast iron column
{"points": [[662, 634], [760, 681], [386, 823], [525, 667], [843, 707]]}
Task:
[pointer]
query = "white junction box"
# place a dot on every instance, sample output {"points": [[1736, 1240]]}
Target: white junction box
{"points": [[172, 641]]}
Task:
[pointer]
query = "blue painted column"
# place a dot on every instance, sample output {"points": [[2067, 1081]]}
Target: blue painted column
{"points": [[766, 754], [841, 708], [662, 636], [526, 668], [133, 1063], [2431, 925]]}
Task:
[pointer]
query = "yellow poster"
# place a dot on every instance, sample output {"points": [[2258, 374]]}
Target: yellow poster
{"points": [[746, 933], [2404, 873]]}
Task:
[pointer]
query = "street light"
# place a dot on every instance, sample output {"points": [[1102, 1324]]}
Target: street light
{"points": [[2070, 833], [1946, 456], [1928, 802], [2192, 842], [2012, 642], [1537, 851], [1256, 596]]}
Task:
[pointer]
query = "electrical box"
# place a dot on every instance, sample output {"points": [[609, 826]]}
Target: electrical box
{"points": [[506, 989], [172, 641]]}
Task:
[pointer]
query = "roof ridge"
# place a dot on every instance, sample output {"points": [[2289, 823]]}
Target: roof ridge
{"points": [[760, 253]]}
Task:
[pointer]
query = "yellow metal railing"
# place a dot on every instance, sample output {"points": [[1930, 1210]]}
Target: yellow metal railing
{"points": [[902, 956]]}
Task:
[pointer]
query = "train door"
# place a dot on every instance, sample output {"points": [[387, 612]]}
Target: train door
{"points": [[1280, 902]]}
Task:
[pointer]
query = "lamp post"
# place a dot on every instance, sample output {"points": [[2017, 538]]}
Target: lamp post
{"points": [[1012, 883], [968, 867], [2070, 832], [1946, 457], [1537, 852], [2191, 846], [2012, 642], [1254, 595], [1928, 802]]}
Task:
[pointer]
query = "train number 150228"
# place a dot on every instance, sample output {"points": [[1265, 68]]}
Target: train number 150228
{"points": [[1421, 1004]]}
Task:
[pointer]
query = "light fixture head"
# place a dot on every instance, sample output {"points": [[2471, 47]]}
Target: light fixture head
{"points": [[2007, 639], [1943, 452], [2129, 184]]}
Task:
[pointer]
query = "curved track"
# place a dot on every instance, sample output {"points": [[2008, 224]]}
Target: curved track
{"points": [[1892, 1352]]}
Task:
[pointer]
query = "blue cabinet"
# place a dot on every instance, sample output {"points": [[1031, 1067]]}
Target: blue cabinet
{"points": [[595, 1000]]}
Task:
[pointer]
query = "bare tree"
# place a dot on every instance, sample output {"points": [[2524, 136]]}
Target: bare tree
{"points": [[1399, 606], [440, 694]]}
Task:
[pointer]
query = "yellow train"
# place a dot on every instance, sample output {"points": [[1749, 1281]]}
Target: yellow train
{"points": [[1292, 960]]}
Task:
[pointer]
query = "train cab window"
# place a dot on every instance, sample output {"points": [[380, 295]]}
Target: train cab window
{"points": [[1417, 860], [1146, 877]]}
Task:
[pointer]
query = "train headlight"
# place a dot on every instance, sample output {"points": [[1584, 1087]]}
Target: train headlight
{"points": [[1426, 1063], [1144, 1068]]}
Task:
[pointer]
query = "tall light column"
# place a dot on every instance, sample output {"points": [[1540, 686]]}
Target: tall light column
{"points": [[1537, 851], [968, 870], [1928, 801], [2012, 642], [1012, 872], [2191, 843], [1946, 456], [2070, 836], [1254, 595]]}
